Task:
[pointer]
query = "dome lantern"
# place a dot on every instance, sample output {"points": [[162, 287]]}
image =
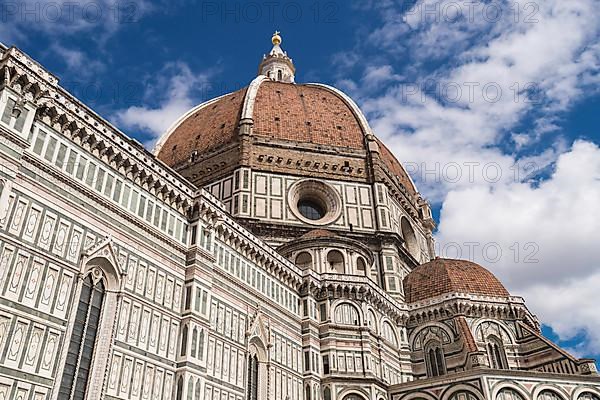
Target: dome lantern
{"points": [[276, 39], [276, 65]]}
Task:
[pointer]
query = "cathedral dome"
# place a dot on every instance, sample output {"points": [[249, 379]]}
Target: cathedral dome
{"points": [[283, 114], [303, 113], [445, 275]]}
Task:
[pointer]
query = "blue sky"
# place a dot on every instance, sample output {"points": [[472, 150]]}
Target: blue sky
{"points": [[492, 106]]}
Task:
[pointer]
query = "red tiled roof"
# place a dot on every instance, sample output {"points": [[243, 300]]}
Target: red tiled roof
{"points": [[208, 128], [443, 275], [466, 334], [294, 112], [392, 163], [305, 114]]}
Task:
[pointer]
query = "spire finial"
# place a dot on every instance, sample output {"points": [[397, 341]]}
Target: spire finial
{"points": [[276, 65], [276, 39]]}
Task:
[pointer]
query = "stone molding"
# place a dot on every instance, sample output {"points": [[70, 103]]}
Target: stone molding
{"points": [[63, 113]]}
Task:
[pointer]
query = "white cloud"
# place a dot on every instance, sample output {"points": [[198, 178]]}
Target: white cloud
{"points": [[478, 99], [377, 75], [554, 63], [170, 95], [78, 62], [548, 237]]}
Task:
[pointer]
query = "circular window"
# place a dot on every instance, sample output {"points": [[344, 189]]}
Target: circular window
{"points": [[314, 202], [311, 209]]}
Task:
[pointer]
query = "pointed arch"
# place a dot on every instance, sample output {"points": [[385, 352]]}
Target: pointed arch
{"points": [[179, 394], [410, 239], [361, 266], [509, 393], [372, 320], [434, 358], [81, 347], [201, 345], [256, 365], [85, 355], [190, 389], [586, 394], [389, 333], [353, 393], [194, 341], [485, 326], [423, 334], [495, 352], [549, 394], [462, 392], [198, 394], [104, 256], [184, 339]]}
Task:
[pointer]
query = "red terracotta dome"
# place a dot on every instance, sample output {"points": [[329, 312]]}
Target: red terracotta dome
{"points": [[211, 125], [293, 113], [444, 275]]}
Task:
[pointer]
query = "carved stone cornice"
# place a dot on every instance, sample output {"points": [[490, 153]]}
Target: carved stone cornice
{"points": [[35, 165], [450, 305], [66, 115], [354, 287]]}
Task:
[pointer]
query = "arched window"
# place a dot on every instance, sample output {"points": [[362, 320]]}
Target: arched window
{"points": [[279, 75], [304, 260], [495, 352], [361, 266], [353, 396], [508, 394], [588, 396], [346, 314], [179, 388], [463, 395], [434, 359], [371, 320], [83, 338], [252, 377], [190, 389], [335, 260], [194, 341], [200, 355], [409, 237], [184, 338], [389, 334], [548, 395], [327, 394], [197, 395]]}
